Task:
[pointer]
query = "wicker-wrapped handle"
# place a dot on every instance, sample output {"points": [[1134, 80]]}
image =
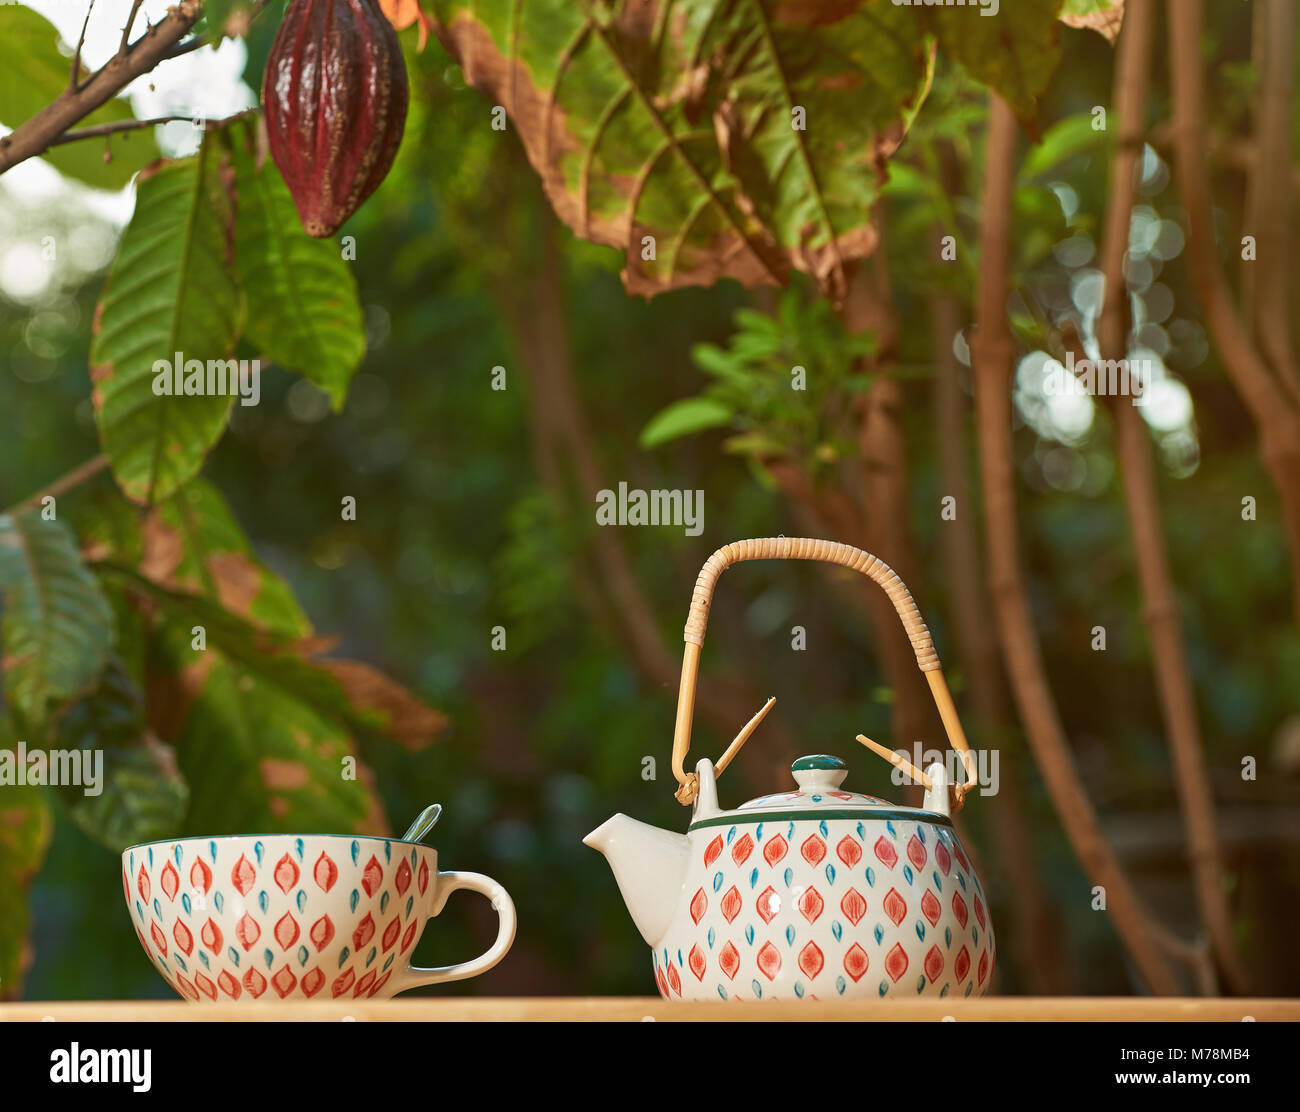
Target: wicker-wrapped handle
{"points": [[802, 548]]}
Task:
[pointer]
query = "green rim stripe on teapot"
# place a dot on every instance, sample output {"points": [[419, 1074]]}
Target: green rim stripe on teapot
{"points": [[906, 814]]}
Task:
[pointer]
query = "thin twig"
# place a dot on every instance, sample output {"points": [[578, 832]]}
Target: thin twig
{"points": [[189, 46], [61, 485], [100, 130], [75, 78], [33, 137], [126, 31]]}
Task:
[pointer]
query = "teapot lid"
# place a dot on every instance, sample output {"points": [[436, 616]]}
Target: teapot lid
{"points": [[817, 794], [818, 778]]}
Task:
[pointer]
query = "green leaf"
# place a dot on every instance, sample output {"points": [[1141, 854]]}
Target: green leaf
{"points": [[25, 828], [264, 733], [753, 444], [682, 418], [192, 543], [259, 759], [676, 122], [1064, 140], [191, 559], [344, 690], [301, 297], [58, 626], [907, 181], [171, 290], [35, 74], [720, 364], [1015, 52], [141, 795], [218, 15]]}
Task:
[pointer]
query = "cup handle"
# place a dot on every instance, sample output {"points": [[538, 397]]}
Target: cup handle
{"points": [[505, 908]]}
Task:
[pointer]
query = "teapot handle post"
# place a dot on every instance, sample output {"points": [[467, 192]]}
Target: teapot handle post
{"points": [[832, 552]]}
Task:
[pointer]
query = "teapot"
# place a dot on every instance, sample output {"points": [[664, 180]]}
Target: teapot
{"points": [[815, 892]]}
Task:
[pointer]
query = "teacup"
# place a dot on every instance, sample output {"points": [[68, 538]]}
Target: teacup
{"points": [[296, 916]]}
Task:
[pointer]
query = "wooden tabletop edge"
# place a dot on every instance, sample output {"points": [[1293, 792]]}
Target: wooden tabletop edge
{"points": [[633, 1009]]}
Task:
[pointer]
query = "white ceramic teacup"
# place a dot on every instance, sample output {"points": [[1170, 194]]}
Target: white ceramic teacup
{"points": [[296, 916]]}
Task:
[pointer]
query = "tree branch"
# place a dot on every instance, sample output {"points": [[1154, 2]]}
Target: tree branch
{"points": [[35, 136], [883, 509], [1273, 401], [61, 485], [1133, 446], [1271, 303], [1258, 388], [1038, 943], [992, 352], [536, 315]]}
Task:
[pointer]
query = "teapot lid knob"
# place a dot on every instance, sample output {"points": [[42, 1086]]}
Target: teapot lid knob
{"points": [[819, 772]]}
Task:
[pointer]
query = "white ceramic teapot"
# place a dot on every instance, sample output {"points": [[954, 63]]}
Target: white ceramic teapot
{"points": [[814, 892]]}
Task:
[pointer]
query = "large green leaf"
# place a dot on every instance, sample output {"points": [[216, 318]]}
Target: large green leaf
{"points": [[25, 827], [301, 297], [189, 559], [58, 627], [34, 74], [260, 759], [1015, 52], [193, 543], [263, 734], [345, 690], [171, 290], [674, 120], [141, 796]]}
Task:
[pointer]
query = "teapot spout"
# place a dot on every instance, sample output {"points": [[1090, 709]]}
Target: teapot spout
{"points": [[649, 865]]}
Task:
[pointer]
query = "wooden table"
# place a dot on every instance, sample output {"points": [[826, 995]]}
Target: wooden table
{"points": [[634, 1008]]}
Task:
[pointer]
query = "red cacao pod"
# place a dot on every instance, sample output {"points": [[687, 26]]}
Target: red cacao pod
{"points": [[335, 97]]}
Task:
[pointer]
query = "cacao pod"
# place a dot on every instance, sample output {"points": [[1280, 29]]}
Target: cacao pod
{"points": [[335, 97]]}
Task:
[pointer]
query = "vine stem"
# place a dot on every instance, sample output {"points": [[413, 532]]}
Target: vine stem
{"points": [[61, 485]]}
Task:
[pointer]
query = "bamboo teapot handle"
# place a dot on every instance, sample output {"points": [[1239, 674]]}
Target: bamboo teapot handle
{"points": [[831, 552]]}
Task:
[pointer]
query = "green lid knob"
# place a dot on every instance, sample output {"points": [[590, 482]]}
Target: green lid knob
{"points": [[819, 762]]}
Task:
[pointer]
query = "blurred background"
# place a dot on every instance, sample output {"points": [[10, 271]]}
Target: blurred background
{"points": [[473, 514]]}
